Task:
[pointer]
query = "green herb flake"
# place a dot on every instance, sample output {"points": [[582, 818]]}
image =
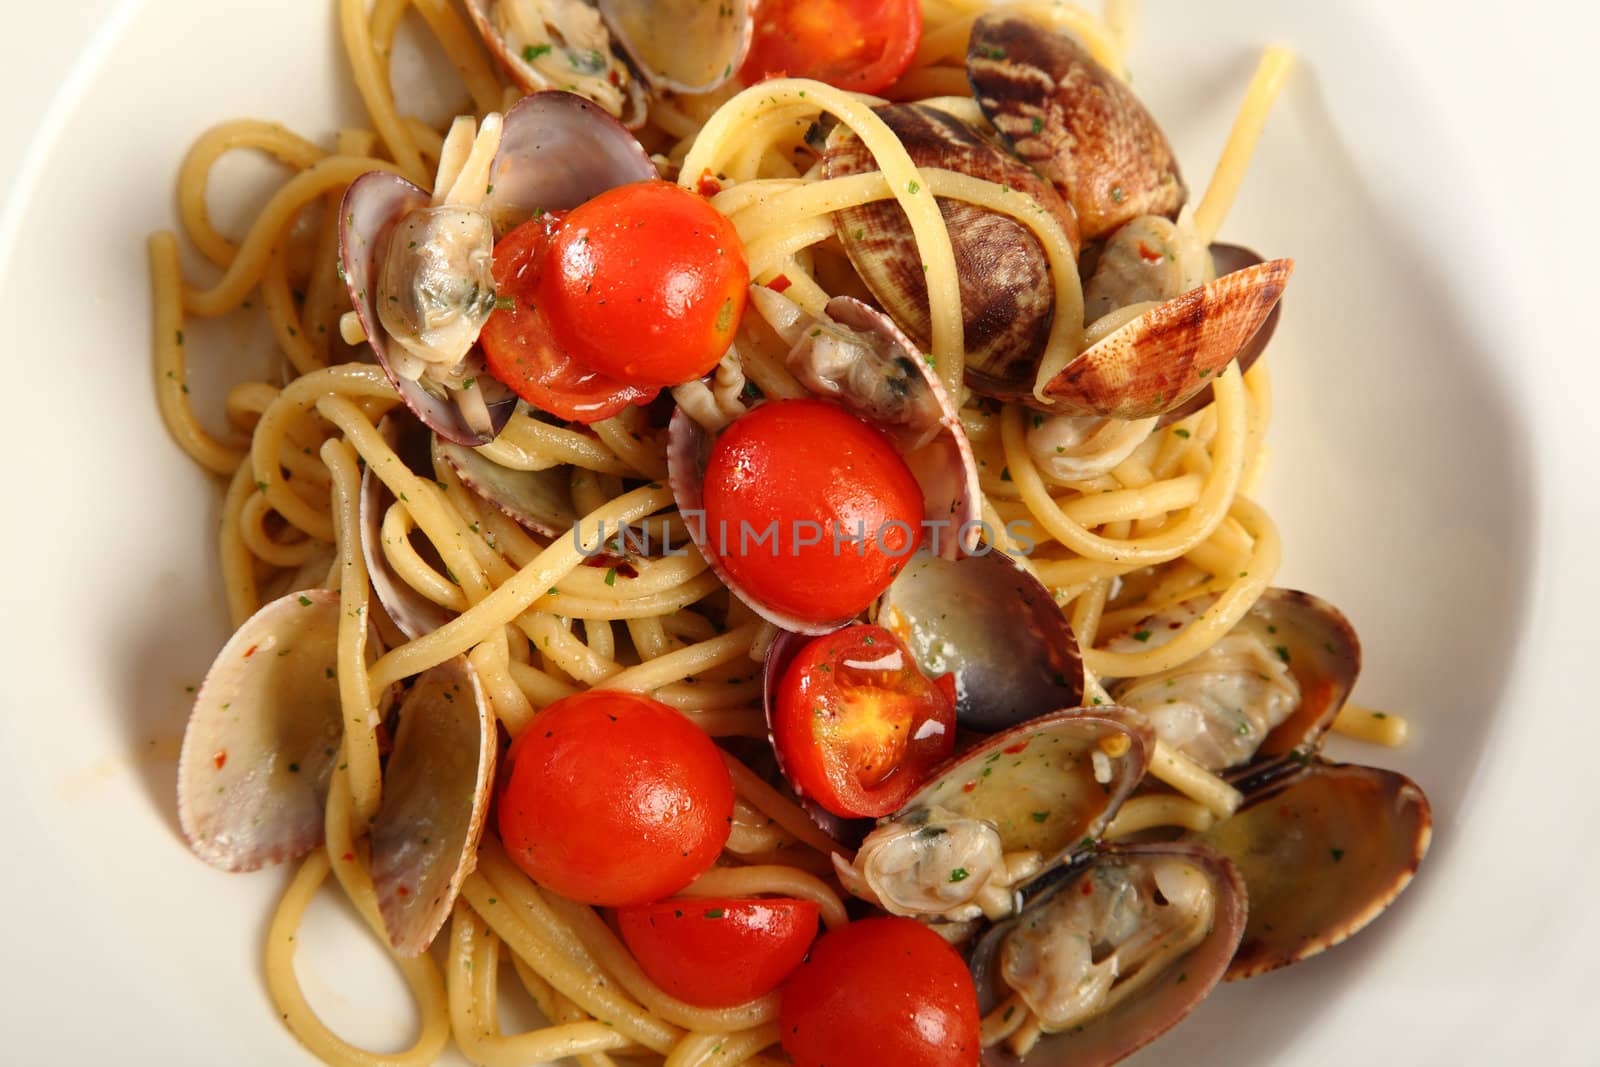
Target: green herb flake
{"points": [[959, 874], [1040, 816], [913, 188], [1181, 432], [1283, 653], [611, 576], [305, 601], [715, 913], [1038, 124], [1380, 715], [1142, 636], [534, 51], [1337, 854]]}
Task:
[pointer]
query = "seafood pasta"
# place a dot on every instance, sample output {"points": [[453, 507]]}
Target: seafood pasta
{"points": [[754, 541]]}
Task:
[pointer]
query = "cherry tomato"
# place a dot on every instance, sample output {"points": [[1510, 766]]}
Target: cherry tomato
{"points": [[646, 283], [881, 991], [860, 45], [522, 352], [614, 799], [857, 725], [719, 952], [843, 508]]}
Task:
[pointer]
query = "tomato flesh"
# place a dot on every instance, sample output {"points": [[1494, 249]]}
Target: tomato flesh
{"points": [[810, 510], [520, 348], [646, 283], [857, 725], [860, 45], [716, 952], [881, 991], [614, 799]]}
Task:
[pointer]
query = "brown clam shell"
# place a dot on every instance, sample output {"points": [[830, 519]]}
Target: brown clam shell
{"points": [[436, 789], [413, 613], [1323, 852], [1074, 122], [1007, 296]]}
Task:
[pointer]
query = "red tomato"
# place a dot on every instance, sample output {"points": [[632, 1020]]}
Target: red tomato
{"points": [[646, 283], [522, 352], [881, 991], [857, 725], [718, 952], [808, 470], [614, 799], [860, 45]]}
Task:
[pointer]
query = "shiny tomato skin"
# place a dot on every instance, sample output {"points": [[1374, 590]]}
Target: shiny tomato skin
{"points": [[857, 725], [614, 799], [881, 991], [646, 283], [860, 45], [719, 952], [518, 344], [803, 462]]}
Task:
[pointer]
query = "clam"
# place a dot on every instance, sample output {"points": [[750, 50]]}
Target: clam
{"points": [[1268, 689], [413, 613], [999, 814], [1073, 122], [263, 736], [1007, 296], [683, 46], [853, 356], [560, 44], [1323, 850], [994, 628], [417, 266], [1108, 954], [436, 788], [539, 500], [1149, 258]]}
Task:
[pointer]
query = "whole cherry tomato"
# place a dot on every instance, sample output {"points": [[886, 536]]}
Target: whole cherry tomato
{"points": [[881, 991], [809, 508], [614, 799], [719, 952], [646, 283], [857, 725], [860, 45]]}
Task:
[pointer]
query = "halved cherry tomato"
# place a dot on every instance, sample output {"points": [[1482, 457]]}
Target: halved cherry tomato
{"points": [[857, 726], [646, 283], [860, 45], [521, 350], [881, 991], [810, 509], [614, 799], [719, 952]]}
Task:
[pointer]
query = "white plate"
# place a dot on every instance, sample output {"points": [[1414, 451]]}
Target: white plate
{"points": [[1433, 476]]}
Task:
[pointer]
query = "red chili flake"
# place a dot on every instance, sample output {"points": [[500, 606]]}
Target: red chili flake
{"points": [[780, 283], [250, 651], [349, 857], [1012, 750], [708, 185], [1088, 889], [402, 891], [220, 758], [970, 786], [1149, 256]]}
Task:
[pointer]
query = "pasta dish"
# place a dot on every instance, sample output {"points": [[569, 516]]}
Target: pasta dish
{"points": [[753, 539]]}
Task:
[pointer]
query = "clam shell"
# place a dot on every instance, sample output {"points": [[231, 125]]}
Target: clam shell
{"points": [[539, 500], [436, 789], [1227, 259], [1160, 360], [991, 624], [531, 80], [685, 46], [372, 206], [412, 612], [1148, 1014], [1323, 853], [1074, 122], [263, 737], [1007, 296], [1044, 766]]}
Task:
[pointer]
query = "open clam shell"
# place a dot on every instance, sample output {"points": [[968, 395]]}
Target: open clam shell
{"points": [[685, 46], [1073, 121], [413, 613], [573, 50], [995, 628], [263, 736], [1228, 259], [1323, 852], [373, 206], [1146, 996], [1007, 296], [541, 501], [436, 788], [1288, 632]]}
